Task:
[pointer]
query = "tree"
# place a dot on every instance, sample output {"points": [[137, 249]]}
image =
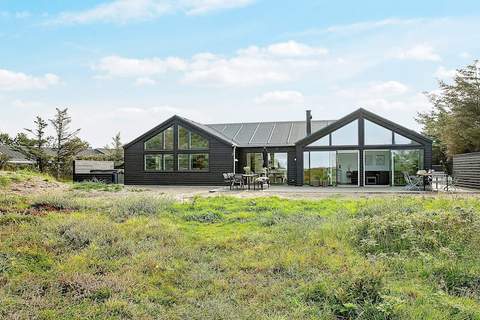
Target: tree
{"points": [[117, 148], [454, 121], [36, 150], [5, 139], [66, 143]]}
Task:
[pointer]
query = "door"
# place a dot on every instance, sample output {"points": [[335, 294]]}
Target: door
{"points": [[347, 167]]}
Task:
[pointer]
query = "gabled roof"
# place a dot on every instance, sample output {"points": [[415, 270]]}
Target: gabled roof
{"points": [[362, 113], [201, 127], [279, 133], [260, 134], [14, 156]]}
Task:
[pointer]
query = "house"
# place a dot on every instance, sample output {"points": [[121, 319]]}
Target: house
{"points": [[360, 149], [14, 157]]}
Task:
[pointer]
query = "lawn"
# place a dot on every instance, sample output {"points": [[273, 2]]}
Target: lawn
{"points": [[119, 256]]}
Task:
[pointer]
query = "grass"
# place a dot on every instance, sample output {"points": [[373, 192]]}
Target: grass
{"points": [[23, 175], [139, 257], [96, 186]]}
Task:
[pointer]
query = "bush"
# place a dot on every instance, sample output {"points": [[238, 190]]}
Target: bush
{"points": [[353, 294], [56, 202], [97, 186], [389, 229], [204, 217], [133, 206]]}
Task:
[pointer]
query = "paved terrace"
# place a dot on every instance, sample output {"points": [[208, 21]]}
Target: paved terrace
{"points": [[292, 192]]}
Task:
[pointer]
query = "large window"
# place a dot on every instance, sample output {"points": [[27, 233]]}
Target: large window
{"points": [[399, 139], [193, 162], [159, 162], [161, 141], [188, 140], [346, 135], [406, 162], [322, 142], [319, 168], [377, 135]]}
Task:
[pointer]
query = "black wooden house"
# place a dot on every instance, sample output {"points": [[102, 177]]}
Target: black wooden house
{"points": [[359, 149]]}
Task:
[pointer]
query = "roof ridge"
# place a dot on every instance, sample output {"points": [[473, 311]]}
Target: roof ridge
{"points": [[257, 122]]}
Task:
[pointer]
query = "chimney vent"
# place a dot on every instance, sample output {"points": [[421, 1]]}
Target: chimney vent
{"points": [[309, 122]]}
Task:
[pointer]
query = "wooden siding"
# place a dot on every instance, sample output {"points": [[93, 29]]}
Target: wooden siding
{"points": [[466, 169], [220, 161]]}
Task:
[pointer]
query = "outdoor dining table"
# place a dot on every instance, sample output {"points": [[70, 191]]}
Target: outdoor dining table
{"points": [[425, 175], [249, 178]]}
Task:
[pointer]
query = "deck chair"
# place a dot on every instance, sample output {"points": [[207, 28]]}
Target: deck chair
{"points": [[413, 182], [237, 181], [227, 178]]}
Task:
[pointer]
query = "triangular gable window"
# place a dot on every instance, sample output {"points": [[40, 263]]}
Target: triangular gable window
{"points": [[401, 140], [161, 141], [346, 135], [376, 134], [322, 142]]}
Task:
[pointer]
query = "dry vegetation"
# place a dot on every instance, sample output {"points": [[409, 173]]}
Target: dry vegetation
{"points": [[69, 254]]}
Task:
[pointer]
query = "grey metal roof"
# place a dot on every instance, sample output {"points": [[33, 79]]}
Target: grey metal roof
{"points": [[13, 155], [259, 134]]}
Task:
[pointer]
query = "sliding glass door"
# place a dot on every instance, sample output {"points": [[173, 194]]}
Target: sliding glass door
{"points": [[320, 168], [377, 167], [405, 162], [347, 167]]}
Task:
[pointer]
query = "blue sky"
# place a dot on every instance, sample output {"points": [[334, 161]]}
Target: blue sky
{"points": [[126, 65]]}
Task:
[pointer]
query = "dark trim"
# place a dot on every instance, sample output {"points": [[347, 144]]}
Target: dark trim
{"points": [[176, 120]]}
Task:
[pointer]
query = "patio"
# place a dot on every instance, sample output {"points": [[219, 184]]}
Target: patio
{"points": [[306, 192]]}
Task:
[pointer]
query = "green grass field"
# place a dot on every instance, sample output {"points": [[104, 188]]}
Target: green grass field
{"points": [[72, 256]]}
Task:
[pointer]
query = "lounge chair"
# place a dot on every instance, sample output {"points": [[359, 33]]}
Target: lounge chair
{"points": [[413, 182]]}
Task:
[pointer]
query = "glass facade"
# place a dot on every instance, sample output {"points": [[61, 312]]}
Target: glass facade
{"points": [[159, 162], [319, 168], [188, 140], [406, 162], [193, 162], [346, 135], [377, 135], [161, 141], [322, 142], [276, 168]]}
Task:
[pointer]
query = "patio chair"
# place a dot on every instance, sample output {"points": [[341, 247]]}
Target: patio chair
{"points": [[261, 182], [237, 181], [451, 184], [228, 179], [413, 182]]}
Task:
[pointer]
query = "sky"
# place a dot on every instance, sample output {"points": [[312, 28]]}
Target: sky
{"points": [[127, 65]]}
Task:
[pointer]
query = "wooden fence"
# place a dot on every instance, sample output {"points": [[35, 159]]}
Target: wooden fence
{"points": [[466, 169]]}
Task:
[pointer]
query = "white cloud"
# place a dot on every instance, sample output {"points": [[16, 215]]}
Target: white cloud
{"points": [[123, 11], [465, 55], [444, 73], [115, 66], [421, 52], [295, 49], [278, 62], [10, 80], [387, 88], [281, 97], [145, 82]]}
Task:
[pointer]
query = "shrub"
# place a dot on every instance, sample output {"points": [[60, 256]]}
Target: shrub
{"points": [[204, 217], [353, 294], [97, 186], [56, 202], [389, 229], [133, 206]]}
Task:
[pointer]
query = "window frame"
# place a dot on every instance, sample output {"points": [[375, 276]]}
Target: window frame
{"points": [[162, 162], [163, 139], [190, 155], [189, 138]]}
